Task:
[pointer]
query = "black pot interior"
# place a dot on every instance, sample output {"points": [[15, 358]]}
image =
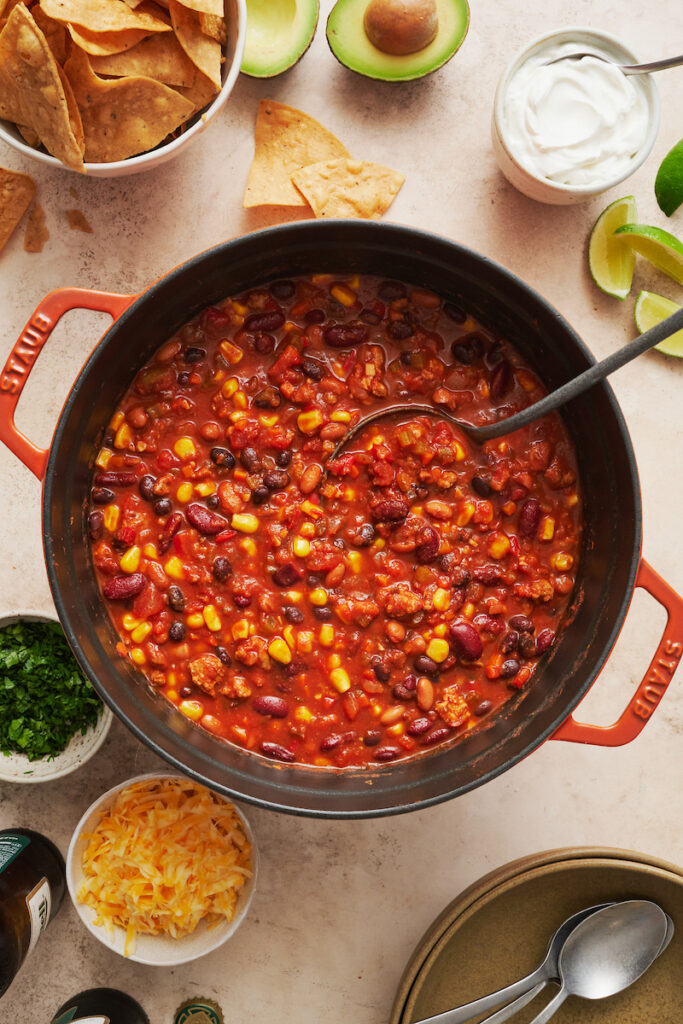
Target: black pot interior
{"points": [[608, 476]]}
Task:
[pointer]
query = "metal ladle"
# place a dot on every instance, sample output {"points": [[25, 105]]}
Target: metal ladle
{"points": [[565, 393], [626, 69]]}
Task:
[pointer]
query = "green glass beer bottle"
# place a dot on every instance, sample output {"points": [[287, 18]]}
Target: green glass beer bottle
{"points": [[32, 882], [101, 1006]]}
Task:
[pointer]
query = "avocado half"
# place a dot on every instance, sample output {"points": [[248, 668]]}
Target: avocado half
{"points": [[351, 46], [278, 34]]}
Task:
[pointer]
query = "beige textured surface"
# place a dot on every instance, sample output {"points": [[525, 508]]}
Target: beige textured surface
{"points": [[340, 905]]}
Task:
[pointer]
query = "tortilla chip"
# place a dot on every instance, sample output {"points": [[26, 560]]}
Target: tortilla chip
{"points": [[214, 27], [29, 136], [348, 188], [214, 7], [204, 52], [285, 141], [135, 3], [125, 116], [31, 91], [105, 15], [54, 32], [74, 113], [16, 192], [78, 222], [200, 93], [159, 56], [36, 233], [102, 44]]}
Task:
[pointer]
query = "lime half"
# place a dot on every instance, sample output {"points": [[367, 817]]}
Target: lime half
{"points": [[669, 180], [662, 249], [610, 260], [651, 309]]}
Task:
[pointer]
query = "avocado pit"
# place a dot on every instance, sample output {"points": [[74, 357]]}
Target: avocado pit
{"points": [[400, 27]]}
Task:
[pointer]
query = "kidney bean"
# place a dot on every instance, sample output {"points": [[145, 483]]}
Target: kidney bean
{"points": [[544, 640], [115, 478], [424, 693], [428, 547], [313, 369], [402, 691], [264, 344], [276, 480], [282, 290], [509, 642], [399, 330], [501, 380], [509, 668], [293, 615], [436, 736], [466, 640], [331, 741], [419, 726], [427, 666], [221, 568], [268, 398], [345, 335], [455, 312], [310, 478], [368, 316], [146, 487], [177, 632], [193, 354], [205, 521], [251, 460], [277, 751], [171, 527], [222, 457], [487, 574], [391, 290], [315, 316], [529, 517], [482, 708], [162, 506], [387, 753], [101, 495], [122, 587], [283, 458], [259, 323], [286, 575], [489, 624], [176, 598], [241, 600], [391, 510], [522, 623], [96, 525], [482, 487], [276, 707]]}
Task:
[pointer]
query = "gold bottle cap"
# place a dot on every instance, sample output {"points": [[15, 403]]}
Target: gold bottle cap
{"points": [[199, 1011]]}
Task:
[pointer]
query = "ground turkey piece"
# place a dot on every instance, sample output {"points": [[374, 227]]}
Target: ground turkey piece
{"points": [[539, 590], [367, 375], [361, 611], [211, 675], [399, 601], [252, 652], [452, 707]]}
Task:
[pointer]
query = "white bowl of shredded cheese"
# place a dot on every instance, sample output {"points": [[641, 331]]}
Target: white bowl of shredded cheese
{"points": [[161, 869]]}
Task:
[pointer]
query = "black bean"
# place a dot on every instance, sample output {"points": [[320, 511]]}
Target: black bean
{"points": [[95, 525], [186, 691], [482, 708], [146, 487], [176, 632], [401, 692], [222, 457], [101, 495], [176, 599], [522, 623], [262, 323], [221, 568], [382, 672], [372, 738], [399, 330], [241, 600], [426, 666], [509, 641], [527, 646], [283, 458], [212, 501], [286, 575], [482, 487], [276, 480], [193, 354], [365, 536], [264, 343], [268, 398], [183, 378], [390, 290], [223, 655], [315, 316], [292, 614], [250, 459], [428, 548], [322, 614], [282, 290], [455, 312], [509, 668], [312, 369], [368, 316], [260, 494], [162, 506]]}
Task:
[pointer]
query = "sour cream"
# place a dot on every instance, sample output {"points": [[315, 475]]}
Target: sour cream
{"points": [[576, 122]]}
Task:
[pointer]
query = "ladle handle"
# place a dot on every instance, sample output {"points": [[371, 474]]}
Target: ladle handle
{"points": [[584, 381]]}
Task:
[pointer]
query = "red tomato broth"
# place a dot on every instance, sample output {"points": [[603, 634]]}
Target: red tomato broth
{"points": [[333, 613]]}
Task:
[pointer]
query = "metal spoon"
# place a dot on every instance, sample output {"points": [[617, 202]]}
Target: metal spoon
{"points": [[626, 69], [608, 951], [565, 393], [526, 988]]}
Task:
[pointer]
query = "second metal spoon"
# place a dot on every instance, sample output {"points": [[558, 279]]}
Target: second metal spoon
{"points": [[626, 69]]}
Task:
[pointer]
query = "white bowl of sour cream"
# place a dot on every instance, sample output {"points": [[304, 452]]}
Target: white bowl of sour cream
{"points": [[565, 132]]}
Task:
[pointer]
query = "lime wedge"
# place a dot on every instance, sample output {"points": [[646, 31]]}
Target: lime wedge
{"points": [[669, 180], [610, 261], [651, 309], [663, 250]]}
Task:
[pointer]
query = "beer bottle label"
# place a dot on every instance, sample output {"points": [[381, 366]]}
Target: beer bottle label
{"points": [[11, 845], [70, 1018], [38, 904]]}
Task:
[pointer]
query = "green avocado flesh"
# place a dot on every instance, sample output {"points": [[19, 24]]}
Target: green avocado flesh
{"points": [[351, 46], [278, 34]]}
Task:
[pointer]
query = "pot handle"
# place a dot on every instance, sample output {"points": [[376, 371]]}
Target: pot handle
{"points": [[657, 678], [27, 349]]}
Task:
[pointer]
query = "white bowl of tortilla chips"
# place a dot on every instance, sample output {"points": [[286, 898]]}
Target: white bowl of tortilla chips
{"points": [[112, 87]]}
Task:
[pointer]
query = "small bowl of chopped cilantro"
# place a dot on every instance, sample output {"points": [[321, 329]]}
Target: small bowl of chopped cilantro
{"points": [[51, 719]]}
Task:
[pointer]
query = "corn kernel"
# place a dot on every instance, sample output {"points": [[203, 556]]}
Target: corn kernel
{"points": [[211, 617], [129, 621], [304, 641], [334, 661], [301, 547], [459, 451], [111, 517], [130, 561], [237, 415], [396, 730], [150, 551], [116, 420], [195, 620], [343, 294], [341, 416], [441, 599], [303, 714], [172, 695], [465, 514], [123, 436], [248, 546], [239, 400], [185, 448], [174, 568], [205, 488], [468, 610], [309, 422], [293, 595], [318, 597], [572, 500], [340, 679], [279, 650], [355, 560], [326, 635], [290, 636], [547, 530], [268, 421], [349, 494], [499, 546], [240, 629], [244, 522], [311, 509], [104, 458], [562, 561], [232, 353], [138, 656], [307, 530], [185, 492], [441, 629], [141, 632], [192, 709], [230, 387], [379, 544], [438, 650], [239, 307]]}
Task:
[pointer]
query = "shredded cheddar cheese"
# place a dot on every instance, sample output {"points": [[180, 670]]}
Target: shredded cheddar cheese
{"points": [[167, 855]]}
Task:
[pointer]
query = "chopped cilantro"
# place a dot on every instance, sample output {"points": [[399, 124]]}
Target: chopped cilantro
{"points": [[44, 698]]}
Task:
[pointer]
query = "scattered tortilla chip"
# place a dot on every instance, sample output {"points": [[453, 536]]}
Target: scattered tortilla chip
{"points": [[101, 44], [200, 93], [16, 192], [159, 56], [55, 33], [77, 221], [204, 52], [124, 116], [214, 27], [29, 136], [31, 90], [214, 7], [106, 15], [285, 141], [36, 233], [348, 188]]}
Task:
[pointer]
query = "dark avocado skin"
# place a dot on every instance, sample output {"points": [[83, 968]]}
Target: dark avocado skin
{"points": [[250, 64]]}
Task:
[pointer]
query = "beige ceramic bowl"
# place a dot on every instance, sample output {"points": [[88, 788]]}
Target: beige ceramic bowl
{"points": [[18, 768], [542, 189], [153, 950], [236, 22]]}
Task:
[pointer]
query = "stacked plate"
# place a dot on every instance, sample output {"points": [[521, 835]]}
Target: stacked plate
{"points": [[497, 931]]}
